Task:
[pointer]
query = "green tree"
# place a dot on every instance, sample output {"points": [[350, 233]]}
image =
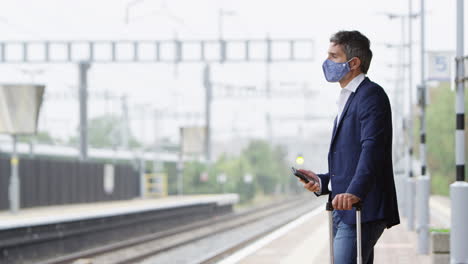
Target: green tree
{"points": [[265, 164], [268, 165], [41, 137], [440, 137], [104, 132]]}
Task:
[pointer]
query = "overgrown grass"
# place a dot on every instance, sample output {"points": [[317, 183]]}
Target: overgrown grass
{"points": [[439, 230], [440, 184]]}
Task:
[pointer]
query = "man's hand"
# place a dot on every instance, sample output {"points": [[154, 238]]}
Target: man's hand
{"points": [[344, 201], [311, 186]]}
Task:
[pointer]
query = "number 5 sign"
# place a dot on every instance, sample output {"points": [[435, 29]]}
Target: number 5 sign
{"points": [[440, 65]]}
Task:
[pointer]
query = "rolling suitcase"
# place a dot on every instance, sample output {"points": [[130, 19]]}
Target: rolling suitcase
{"points": [[358, 207]]}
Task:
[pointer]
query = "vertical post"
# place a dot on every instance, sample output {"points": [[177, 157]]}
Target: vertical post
{"points": [[409, 197], [398, 97], [208, 97], [2, 54], [459, 189], [410, 206], [178, 55], [157, 165], [268, 91], [47, 51], [180, 165], [25, 51], [83, 97], [220, 23], [14, 188], [411, 182], [401, 179], [124, 124], [142, 175], [401, 151], [423, 188], [269, 125], [329, 208], [359, 234], [143, 181], [31, 147], [113, 51], [143, 124]]}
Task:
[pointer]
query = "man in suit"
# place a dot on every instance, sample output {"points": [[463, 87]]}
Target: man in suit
{"points": [[360, 155]]}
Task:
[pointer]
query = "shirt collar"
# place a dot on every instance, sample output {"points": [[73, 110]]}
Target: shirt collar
{"points": [[354, 83]]}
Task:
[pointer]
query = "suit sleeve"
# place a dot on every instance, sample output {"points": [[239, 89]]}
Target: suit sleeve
{"points": [[324, 179], [373, 117]]}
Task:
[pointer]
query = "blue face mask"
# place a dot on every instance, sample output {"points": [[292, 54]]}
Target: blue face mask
{"points": [[335, 71]]}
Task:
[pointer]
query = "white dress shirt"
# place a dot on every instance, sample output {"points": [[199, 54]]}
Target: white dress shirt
{"points": [[345, 92]]}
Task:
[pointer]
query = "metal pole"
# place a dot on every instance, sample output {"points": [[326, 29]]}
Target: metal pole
{"points": [[401, 128], [401, 151], [14, 188], [423, 188], [142, 175], [180, 165], [32, 142], [409, 204], [268, 112], [124, 125], [398, 99], [268, 90], [143, 124], [208, 97], [459, 189], [83, 97], [359, 235], [410, 208], [329, 209], [411, 182], [220, 23], [157, 165]]}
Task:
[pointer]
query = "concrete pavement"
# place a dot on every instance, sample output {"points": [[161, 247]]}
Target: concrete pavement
{"points": [[308, 242]]}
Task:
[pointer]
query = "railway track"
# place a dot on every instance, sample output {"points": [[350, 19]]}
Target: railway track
{"points": [[142, 249]]}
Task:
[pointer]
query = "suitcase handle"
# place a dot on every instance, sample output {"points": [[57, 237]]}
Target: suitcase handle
{"points": [[358, 206]]}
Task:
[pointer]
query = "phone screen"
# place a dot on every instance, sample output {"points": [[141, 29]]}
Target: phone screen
{"points": [[302, 176]]}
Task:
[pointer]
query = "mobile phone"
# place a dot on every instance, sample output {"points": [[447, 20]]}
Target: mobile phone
{"points": [[302, 176]]}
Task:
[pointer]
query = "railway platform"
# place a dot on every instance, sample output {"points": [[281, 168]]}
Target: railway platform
{"points": [[306, 241], [67, 213], [37, 234]]}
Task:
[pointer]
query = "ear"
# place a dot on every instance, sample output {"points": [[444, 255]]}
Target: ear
{"points": [[355, 64]]}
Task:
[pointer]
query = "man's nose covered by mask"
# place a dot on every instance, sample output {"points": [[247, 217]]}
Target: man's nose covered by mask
{"points": [[335, 71]]}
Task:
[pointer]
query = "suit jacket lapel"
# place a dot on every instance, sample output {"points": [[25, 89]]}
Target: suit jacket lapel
{"points": [[334, 126], [345, 109], [334, 130], [343, 114]]}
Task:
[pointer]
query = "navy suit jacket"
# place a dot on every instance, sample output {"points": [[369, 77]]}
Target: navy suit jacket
{"points": [[360, 156]]}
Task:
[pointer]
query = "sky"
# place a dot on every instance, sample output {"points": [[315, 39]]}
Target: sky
{"points": [[166, 88]]}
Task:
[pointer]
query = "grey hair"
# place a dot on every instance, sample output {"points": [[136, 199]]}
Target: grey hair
{"points": [[354, 44]]}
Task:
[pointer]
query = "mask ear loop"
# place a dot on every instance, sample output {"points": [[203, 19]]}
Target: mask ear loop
{"points": [[349, 61]]}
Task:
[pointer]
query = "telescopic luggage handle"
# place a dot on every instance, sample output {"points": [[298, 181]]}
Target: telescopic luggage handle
{"points": [[358, 207], [329, 209]]}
